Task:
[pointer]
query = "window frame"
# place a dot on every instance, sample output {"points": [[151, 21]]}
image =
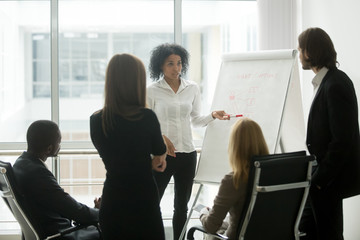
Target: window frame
{"points": [[55, 84], [79, 147]]}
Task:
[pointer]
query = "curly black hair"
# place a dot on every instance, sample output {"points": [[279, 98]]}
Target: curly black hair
{"points": [[159, 55]]}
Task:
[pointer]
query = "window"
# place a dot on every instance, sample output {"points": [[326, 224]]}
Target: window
{"points": [[90, 32], [87, 43], [21, 73]]}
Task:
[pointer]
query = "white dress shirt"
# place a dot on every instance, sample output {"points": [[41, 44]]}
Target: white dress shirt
{"points": [[43, 163], [177, 111], [318, 79]]}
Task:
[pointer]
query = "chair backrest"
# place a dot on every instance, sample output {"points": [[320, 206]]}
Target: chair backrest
{"points": [[277, 191], [16, 202]]}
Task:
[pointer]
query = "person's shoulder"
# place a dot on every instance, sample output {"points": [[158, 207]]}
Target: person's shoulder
{"points": [[190, 83], [28, 169], [153, 85], [152, 89], [149, 117], [228, 178], [26, 159], [337, 78], [191, 86], [148, 113], [337, 74], [19, 163], [96, 115], [227, 185]]}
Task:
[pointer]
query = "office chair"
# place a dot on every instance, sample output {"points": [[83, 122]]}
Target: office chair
{"points": [[278, 187], [30, 228]]}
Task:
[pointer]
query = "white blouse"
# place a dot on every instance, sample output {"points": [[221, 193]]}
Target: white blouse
{"points": [[176, 111]]}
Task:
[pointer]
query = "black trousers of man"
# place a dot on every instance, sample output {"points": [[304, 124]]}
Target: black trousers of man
{"points": [[323, 215]]}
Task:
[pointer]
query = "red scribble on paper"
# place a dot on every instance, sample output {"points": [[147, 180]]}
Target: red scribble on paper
{"points": [[251, 101], [253, 89]]}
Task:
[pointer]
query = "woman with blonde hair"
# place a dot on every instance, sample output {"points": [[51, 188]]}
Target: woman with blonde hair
{"points": [[126, 134], [246, 140]]}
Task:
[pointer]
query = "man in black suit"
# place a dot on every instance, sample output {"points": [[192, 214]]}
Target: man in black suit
{"points": [[332, 136], [49, 203]]}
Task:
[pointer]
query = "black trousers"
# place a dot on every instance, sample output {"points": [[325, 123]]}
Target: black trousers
{"points": [[323, 216], [89, 233], [182, 169]]}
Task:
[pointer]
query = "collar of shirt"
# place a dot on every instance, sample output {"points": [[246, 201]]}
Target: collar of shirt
{"points": [[319, 77], [177, 112], [43, 163], [164, 84]]}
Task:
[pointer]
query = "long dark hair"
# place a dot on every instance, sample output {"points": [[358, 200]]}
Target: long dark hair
{"points": [[319, 48], [125, 89]]}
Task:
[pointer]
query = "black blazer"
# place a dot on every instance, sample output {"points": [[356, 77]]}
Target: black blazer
{"points": [[49, 203], [333, 135]]}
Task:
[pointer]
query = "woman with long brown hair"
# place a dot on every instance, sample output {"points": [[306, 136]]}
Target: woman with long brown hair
{"points": [[128, 138], [246, 141]]}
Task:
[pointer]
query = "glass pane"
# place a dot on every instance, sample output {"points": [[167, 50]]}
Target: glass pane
{"points": [[64, 75], [81, 169], [79, 46], [79, 91], [41, 71], [97, 71], [24, 66], [98, 45], [64, 91], [41, 91], [87, 43], [41, 46], [97, 89], [80, 70], [82, 176], [220, 27]]}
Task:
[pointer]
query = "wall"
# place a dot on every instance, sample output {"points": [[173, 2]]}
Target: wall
{"points": [[339, 19], [279, 29]]}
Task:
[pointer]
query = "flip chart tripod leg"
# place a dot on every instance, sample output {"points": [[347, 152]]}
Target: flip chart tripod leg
{"points": [[191, 211]]}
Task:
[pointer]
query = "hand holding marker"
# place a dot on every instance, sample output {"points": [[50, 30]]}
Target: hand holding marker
{"points": [[234, 115]]}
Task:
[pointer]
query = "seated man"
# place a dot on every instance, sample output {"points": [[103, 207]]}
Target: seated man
{"points": [[50, 204]]}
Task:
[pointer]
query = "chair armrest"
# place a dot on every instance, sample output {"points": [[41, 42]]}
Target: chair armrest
{"points": [[190, 234], [66, 231]]}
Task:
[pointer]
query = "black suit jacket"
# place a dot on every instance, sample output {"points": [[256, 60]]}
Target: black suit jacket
{"points": [[49, 203], [333, 135]]}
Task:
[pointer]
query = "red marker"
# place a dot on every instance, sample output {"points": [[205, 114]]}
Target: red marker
{"points": [[234, 115]]}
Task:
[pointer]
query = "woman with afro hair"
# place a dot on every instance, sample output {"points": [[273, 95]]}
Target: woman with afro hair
{"points": [[176, 102]]}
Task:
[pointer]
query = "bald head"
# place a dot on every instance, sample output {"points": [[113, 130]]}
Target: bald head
{"points": [[43, 136]]}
